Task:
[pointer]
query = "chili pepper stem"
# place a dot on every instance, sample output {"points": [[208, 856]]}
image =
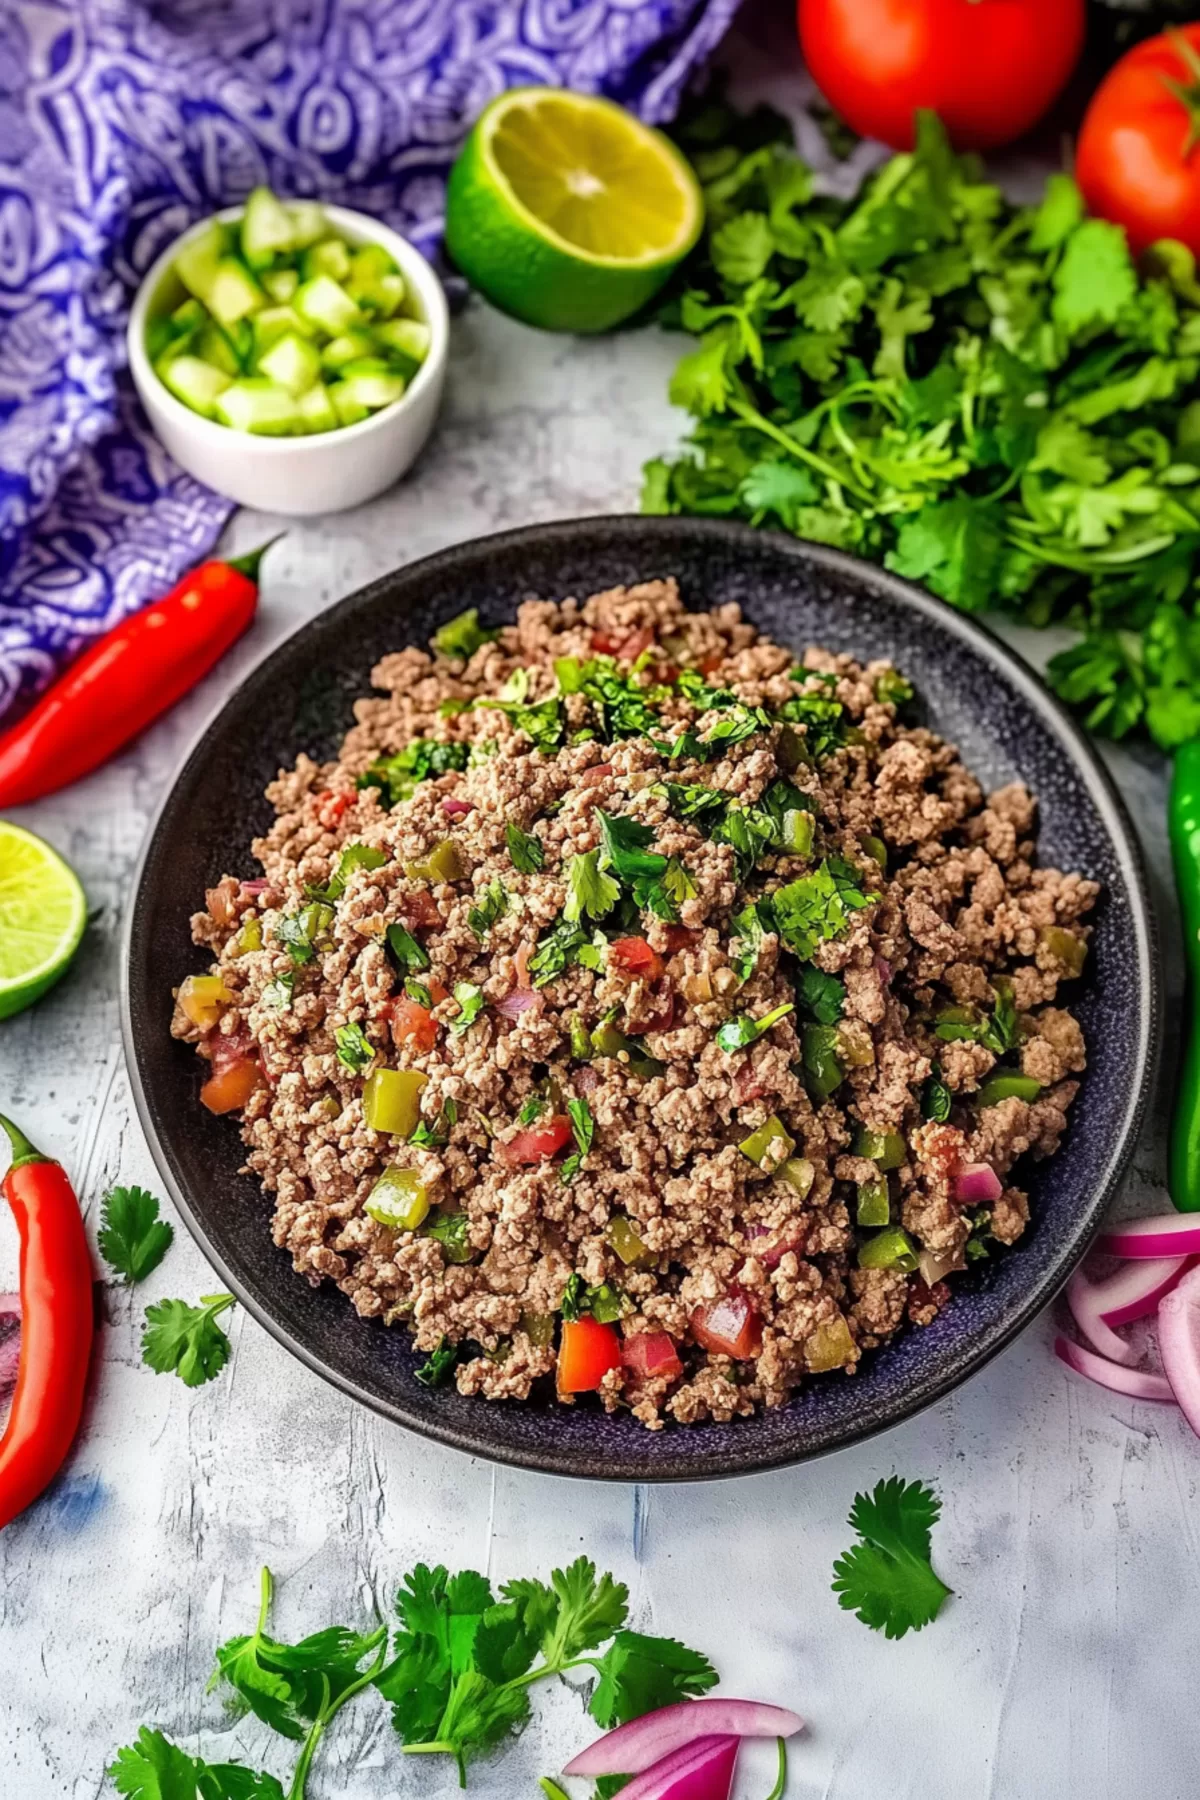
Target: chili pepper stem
{"points": [[23, 1152], [248, 565]]}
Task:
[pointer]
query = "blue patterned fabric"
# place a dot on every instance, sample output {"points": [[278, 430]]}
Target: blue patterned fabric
{"points": [[121, 122]]}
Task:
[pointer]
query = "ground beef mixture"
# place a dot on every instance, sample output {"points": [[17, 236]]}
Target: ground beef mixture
{"points": [[635, 1010]]}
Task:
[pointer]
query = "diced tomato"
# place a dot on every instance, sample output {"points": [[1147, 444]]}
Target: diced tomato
{"points": [[224, 1050], [730, 1326], [229, 1087], [709, 664], [661, 1019], [747, 1086], [220, 901], [419, 910], [331, 806], [587, 1352], [540, 1143], [413, 1024], [679, 938], [634, 956], [648, 1353], [438, 991], [628, 646]]}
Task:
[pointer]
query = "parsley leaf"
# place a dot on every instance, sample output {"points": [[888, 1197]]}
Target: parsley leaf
{"points": [[133, 1239], [591, 893], [818, 906], [739, 1033], [491, 905], [463, 635], [887, 1579], [354, 1051], [583, 1129], [526, 852], [470, 1005], [186, 1340]]}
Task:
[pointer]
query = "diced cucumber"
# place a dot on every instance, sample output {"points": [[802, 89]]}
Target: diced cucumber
{"points": [[375, 281], [330, 257], [347, 348], [241, 338], [268, 230], [293, 362], [349, 410], [317, 410], [158, 336], [194, 382], [408, 336], [187, 317], [326, 305], [233, 292], [371, 383], [273, 323], [259, 406], [308, 222], [281, 284], [214, 347], [197, 262]]}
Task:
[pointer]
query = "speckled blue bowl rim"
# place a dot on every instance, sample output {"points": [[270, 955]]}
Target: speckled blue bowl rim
{"points": [[374, 1365]]}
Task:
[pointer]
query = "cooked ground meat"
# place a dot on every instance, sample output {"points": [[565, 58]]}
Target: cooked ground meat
{"points": [[701, 977]]}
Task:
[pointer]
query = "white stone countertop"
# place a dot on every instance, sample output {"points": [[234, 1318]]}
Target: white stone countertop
{"points": [[1066, 1664]]}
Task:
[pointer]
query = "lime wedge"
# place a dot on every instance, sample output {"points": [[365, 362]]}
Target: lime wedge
{"points": [[568, 212], [42, 915]]}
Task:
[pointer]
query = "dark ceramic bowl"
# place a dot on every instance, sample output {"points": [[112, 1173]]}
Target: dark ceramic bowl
{"points": [[976, 692]]}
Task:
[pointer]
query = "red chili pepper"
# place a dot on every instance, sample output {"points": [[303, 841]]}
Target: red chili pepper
{"points": [[56, 1325], [127, 678]]}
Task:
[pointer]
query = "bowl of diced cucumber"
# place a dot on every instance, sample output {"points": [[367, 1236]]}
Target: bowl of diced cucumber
{"points": [[291, 354]]}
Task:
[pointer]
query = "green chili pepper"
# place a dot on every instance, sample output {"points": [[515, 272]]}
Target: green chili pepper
{"points": [[890, 1249], [873, 1202], [1183, 819], [1008, 1086], [887, 1148]]}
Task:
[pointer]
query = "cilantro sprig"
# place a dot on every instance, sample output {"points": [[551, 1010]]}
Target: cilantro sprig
{"points": [[184, 1340], [887, 1579], [133, 1239]]}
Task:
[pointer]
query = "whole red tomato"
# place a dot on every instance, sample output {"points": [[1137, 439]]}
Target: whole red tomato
{"points": [[988, 68], [1137, 161]]}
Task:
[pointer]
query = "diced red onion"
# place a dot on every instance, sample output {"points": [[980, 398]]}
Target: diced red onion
{"points": [[10, 1343], [977, 1185], [518, 1001], [701, 1770], [628, 1749], [457, 809], [1084, 1301], [1167, 1234], [1136, 1288], [255, 887], [1138, 1383], [1179, 1342], [771, 1257], [883, 969]]}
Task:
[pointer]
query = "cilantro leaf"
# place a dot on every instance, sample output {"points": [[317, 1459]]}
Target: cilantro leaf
{"points": [[638, 1674], [450, 1230], [354, 1050], [407, 953], [583, 1130], [490, 906], [186, 1340], [739, 1033], [564, 944], [470, 1005], [936, 1098], [305, 932], [591, 892], [820, 997], [427, 1136], [744, 947], [463, 635], [818, 906], [277, 995], [1096, 279], [424, 758], [544, 721], [435, 1370], [887, 1579], [133, 1239], [692, 801], [154, 1768], [589, 1611], [526, 852]]}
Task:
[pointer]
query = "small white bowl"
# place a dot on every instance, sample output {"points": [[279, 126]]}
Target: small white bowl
{"points": [[329, 470]]}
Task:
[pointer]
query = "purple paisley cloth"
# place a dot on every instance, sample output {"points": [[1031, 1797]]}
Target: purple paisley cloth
{"points": [[121, 122]]}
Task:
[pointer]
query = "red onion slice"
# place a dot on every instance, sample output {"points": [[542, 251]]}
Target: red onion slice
{"points": [[1137, 1287], [628, 1749], [517, 1002], [1083, 1298], [1138, 1383], [977, 1185], [10, 1344], [457, 809], [254, 887], [701, 1770], [1179, 1341], [1167, 1234], [883, 969]]}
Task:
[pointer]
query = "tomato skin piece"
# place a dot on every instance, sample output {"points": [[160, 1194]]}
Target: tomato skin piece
{"points": [[540, 1143], [331, 806], [231, 1086], [634, 956], [730, 1326], [988, 68], [1130, 163], [651, 1353], [413, 1024], [587, 1352]]}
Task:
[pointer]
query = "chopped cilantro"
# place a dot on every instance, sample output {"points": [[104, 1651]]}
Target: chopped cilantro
{"points": [[692, 801], [354, 1051], [544, 722], [820, 997], [416, 990], [936, 1098], [583, 1129], [526, 853], [746, 942], [450, 1230], [277, 995], [823, 720], [558, 948], [432, 1137], [491, 905], [739, 1033], [305, 932], [407, 953], [605, 1303], [891, 689], [470, 1005], [591, 893], [818, 906], [398, 776], [999, 1032], [435, 1372], [622, 707], [463, 635], [532, 1109]]}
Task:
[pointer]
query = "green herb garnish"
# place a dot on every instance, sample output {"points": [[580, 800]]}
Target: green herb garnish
{"points": [[354, 1051], [450, 1230], [583, 1129], [526, 853], [133, 1239], [818, 906], [491, 905], [462, 636], [591, 893], [435, 1371], [740, 1033], [887, 1579], [470, 1005], [407, 953], [398, 776], [185, 1340]]}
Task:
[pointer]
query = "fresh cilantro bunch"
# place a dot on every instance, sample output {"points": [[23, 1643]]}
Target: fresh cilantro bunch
{"points": [[990, 399]]}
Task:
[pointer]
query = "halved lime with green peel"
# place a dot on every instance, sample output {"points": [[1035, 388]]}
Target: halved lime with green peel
{"points": [[566, 211], [43, 912]]}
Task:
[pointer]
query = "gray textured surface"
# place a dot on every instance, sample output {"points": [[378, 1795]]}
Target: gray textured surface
{"points": [[1066, 1663]]}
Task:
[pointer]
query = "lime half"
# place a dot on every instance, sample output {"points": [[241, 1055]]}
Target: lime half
{"points": [[42, 915], [568, 212]]}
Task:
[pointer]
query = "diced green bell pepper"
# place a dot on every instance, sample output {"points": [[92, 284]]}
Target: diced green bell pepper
{"points": [[890, 1249], [1007, 1085], [887, 1148], [399, 1199], [873, 1205], [392, 1101], [769, 1146]]}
